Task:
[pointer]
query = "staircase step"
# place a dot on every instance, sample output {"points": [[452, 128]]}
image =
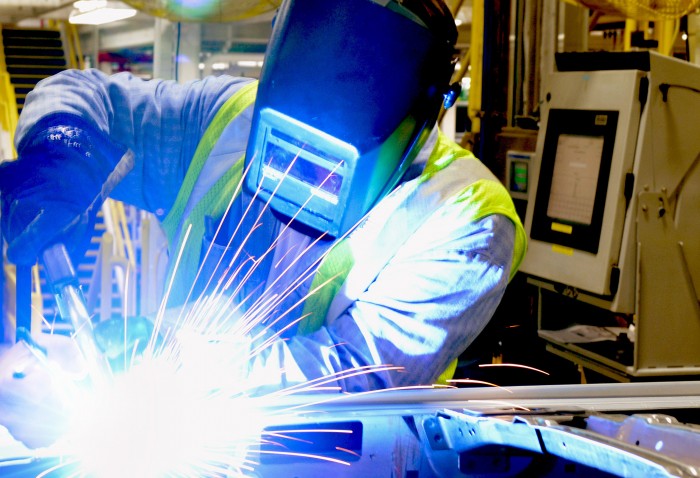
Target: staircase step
{"points": [[26, 81], [23, 90], [33, 70], [40, 52], [31, 42], [30, 33], [34, 61]]}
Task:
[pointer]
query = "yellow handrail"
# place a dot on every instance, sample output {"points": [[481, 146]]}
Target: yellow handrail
{"points": [[75, 54], [476, 63], [8, 102]]}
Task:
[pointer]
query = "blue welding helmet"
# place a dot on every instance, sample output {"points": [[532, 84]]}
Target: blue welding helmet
{"points": [[349, 92]]}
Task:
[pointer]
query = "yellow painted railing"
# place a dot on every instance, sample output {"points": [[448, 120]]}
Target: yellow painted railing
{"points": [[476, 63], [73, 51], [8, 103]]}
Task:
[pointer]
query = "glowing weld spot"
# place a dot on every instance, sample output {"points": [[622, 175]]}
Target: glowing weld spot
{"points": [[153, 422]]}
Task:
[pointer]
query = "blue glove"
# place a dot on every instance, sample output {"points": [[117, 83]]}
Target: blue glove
{"points": [[65, 170]]}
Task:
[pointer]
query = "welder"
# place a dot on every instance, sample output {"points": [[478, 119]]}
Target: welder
{"points": [[410, 239]]}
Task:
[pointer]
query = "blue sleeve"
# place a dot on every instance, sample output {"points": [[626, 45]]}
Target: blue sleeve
{"points": [[423, 310], [160, 121]]}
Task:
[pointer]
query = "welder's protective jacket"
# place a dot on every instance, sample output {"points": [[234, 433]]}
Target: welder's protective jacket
{"points": [[412, 286]]}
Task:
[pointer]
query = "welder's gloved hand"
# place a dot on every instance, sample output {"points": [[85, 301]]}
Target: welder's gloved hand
{"points": [[65, 170], [124, 340], [35, 395]]}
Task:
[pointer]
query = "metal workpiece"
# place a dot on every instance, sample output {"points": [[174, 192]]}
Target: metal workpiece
{"points": [[533, 440], [605, 430], [661, 433], [612, 214]]}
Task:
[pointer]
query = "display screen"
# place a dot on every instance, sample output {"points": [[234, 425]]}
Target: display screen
{"points": [[577, 155], [575, 178], [519, 176]]}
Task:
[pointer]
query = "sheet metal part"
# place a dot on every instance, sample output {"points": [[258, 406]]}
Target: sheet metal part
{"points": [[480, 432], [570, 430], [551, 437]]}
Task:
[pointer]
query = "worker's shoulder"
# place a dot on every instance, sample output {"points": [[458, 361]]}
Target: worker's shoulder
{"points": [[450, 162], [225, 81]]}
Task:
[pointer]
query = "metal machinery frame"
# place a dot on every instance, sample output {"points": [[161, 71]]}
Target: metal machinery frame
{"points": [[635, 262]]}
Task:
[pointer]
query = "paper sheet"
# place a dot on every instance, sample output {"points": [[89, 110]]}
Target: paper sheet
{"points": [[583, 334]]}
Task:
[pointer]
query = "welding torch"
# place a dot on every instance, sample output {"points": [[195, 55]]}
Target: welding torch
{"points": [[71, 305]]}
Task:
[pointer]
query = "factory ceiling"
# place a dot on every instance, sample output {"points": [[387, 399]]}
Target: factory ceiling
{"points": [[249, 35], [12, 11]]}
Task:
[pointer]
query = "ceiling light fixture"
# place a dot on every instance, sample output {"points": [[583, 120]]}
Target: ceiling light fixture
{"points": [[99, 12]]}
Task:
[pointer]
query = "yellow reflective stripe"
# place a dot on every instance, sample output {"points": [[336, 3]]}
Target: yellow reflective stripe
{"points": [[443, 154], [326, 283], [448, 374]]}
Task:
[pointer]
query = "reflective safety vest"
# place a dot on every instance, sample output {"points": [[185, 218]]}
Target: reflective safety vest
{"points": [[451, 174]]}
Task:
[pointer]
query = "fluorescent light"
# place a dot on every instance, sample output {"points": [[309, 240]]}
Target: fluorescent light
{"points": [[249, 63], [101, 16], [89, 5], [99, 12]]}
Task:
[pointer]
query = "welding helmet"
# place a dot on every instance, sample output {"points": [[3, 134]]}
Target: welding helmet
{"points": [[349, 92]]}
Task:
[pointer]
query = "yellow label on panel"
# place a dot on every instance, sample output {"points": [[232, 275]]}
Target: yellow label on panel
{"points": [[567, 251], [565, 228]]}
